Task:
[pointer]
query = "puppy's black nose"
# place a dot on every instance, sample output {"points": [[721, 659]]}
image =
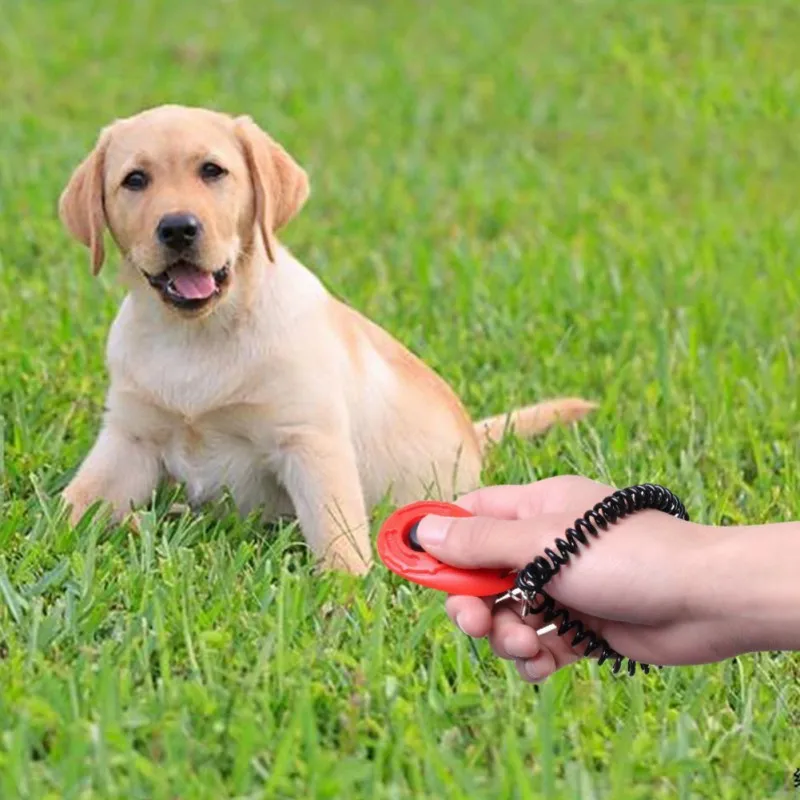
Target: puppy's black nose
{"points": [[179, 231]]}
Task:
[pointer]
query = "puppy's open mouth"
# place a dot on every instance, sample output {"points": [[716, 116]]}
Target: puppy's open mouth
{"points": [[186, 286]]}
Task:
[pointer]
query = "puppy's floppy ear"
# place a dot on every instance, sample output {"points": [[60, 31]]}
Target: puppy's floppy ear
{"points": [[280, 185], [81, 205]]}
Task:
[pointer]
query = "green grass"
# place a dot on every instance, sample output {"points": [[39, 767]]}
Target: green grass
{"points": [[595, 198]]}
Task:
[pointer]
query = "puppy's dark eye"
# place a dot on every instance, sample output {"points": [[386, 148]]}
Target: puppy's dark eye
{"points": [[136, 180], [209, 171]]}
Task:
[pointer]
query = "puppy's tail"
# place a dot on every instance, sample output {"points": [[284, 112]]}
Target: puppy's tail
{"points": [[532, 420]]}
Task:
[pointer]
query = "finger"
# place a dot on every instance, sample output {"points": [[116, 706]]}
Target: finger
{"points": [[555, 653], [537, 669], [549, 495], [501, 502], [486, 542], [473, 615], [511, 638], [560, 649]]}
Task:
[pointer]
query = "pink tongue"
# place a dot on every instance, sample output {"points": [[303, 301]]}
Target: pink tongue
{"points": [[192, 283]]}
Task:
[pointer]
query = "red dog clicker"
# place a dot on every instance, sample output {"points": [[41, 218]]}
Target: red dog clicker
{"points": [[402, 554]]}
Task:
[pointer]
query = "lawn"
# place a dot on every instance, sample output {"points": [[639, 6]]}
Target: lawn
{"points": [[591, 198]]}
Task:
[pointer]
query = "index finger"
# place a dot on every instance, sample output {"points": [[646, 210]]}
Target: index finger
{"points": [[556, 494], [499, 502]]}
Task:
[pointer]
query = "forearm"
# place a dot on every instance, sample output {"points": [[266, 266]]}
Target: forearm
{"points": [[749, 580]]}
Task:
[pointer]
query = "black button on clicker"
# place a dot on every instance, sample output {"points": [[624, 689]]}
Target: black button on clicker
{"points": [[412, 538]]}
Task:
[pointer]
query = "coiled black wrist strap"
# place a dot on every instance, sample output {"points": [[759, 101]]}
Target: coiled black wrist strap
{"points": [[532, 579]]}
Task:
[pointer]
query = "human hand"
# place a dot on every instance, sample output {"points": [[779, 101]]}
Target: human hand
{"points": [[641, 585]]}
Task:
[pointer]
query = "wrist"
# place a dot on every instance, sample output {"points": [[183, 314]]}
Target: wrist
{"points": [[749, 586]]}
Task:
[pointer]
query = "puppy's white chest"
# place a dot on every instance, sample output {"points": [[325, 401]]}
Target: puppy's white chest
{"points": [[208, 459]]}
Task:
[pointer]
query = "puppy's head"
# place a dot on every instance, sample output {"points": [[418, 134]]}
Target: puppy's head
{"points": [[186, 194]]}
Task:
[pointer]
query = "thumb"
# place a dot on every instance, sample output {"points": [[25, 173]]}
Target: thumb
{"points": [[485, 542]]}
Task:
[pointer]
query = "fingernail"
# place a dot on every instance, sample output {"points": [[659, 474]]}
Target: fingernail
{"points": [[432, 530], [534, 670], [458, 622]]}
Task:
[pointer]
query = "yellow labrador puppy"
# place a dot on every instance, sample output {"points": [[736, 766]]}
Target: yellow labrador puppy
{"points": [[231, 366]]}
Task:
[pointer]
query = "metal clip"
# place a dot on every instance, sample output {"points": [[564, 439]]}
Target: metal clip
{"points": [[519, 596]]}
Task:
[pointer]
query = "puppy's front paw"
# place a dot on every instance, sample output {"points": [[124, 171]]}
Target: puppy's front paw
{"points": [[177, 510], [79, 501], [346, 559], [76, 502], [134, 521]]}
